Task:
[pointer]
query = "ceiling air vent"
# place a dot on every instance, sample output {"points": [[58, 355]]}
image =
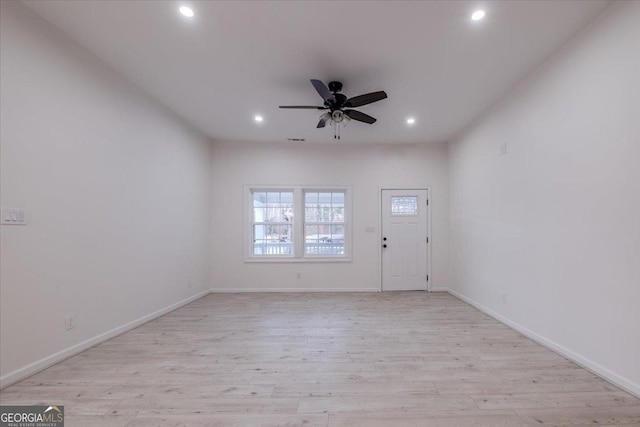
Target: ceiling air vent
{"points": [[296, 139]]}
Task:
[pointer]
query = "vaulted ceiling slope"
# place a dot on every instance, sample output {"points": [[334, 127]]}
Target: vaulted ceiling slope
{"points": [[236, 59]]}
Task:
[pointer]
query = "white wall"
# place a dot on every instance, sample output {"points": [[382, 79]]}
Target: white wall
{"points": [[555, 223], [364, 168], [116, 187]]}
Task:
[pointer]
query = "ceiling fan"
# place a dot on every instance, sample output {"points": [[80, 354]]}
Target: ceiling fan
{"points": [[339, 106]]}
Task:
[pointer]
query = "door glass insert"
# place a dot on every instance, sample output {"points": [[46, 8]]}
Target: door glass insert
{"points": [[404, 205]]}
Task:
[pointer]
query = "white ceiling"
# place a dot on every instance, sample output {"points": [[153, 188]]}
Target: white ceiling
{"points": [[235, 59]]}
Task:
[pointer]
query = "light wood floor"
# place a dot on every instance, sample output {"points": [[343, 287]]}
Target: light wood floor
{"points": [[391, 359]]}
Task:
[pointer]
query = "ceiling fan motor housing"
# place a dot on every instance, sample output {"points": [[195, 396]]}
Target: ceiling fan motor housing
{"points": [[340, 100], [335, 87]]}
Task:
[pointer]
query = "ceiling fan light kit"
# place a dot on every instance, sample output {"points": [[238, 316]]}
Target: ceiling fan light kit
{"points": [[339, 106]]}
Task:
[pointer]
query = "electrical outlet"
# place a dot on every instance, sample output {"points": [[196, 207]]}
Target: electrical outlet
{"points": [[503, 148], [298, 275], [504, 298], [189, 284], [69, 322]]}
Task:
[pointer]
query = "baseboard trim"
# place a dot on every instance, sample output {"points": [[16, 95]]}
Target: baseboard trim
{"points": [[243, 290], [439, 289], [595, 368], [35, 367]]}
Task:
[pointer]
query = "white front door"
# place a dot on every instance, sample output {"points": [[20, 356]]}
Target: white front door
{"points": [[404, 240]]}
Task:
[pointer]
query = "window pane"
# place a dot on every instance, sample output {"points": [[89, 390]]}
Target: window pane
{"points": [[312, 214], [285, 232], [259, 215], [311, 232], [273, 198], [324, 199], [324, 240], [337, 232], [310, 199], [272, 239], [326, 210], [276, 206], [405, 205], [337, 215], [275, 214], [288, 213], [258, 247], [324, 247], [336, 247], [259, 199], [258, 232], [324, 231], [272, 217], [286, 197], [267, 247]]}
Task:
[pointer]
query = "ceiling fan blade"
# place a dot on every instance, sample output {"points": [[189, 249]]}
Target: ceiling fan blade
{"points": [[323, 120], [361, 117], [304, 107], [323, 90], [358, 101]]}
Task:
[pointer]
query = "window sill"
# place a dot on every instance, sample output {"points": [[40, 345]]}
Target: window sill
{"points": [[298, 260]]}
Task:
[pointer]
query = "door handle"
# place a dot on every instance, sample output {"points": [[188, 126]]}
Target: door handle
{"points": [[384, 238], [384, 246]]}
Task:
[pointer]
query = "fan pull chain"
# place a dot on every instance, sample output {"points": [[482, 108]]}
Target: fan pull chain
{"points": [[336, 131]]}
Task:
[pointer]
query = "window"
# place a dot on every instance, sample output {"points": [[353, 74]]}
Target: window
{"points": [[324, 223], [318, 233], [404, 205], [273, 223]]}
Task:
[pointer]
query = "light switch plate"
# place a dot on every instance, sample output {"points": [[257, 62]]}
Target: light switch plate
{"points": [[13, 216]]}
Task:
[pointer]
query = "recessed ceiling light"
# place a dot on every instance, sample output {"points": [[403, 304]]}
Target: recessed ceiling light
{"points": [[478, 15], [186, 11], [411, 121], [258, 119]]}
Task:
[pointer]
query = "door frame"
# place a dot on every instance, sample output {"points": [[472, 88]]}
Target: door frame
{"points": [[429, 235]]}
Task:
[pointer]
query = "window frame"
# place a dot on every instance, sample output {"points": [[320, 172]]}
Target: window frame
{"points": [[318, 224], [265, 223], [298, 223]]}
